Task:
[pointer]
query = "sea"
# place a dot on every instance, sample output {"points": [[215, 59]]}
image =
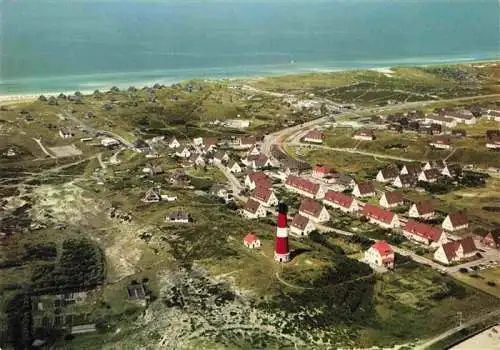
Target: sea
{"points": [[69, 45]]}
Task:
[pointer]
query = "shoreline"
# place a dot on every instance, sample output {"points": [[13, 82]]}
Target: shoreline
{"points": [[386, 70]]}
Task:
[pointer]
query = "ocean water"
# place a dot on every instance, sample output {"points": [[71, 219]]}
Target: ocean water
{"points": [[67, 45]]}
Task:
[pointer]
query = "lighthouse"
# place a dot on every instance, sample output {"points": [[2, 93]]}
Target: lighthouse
{"points": [[281, 251]]}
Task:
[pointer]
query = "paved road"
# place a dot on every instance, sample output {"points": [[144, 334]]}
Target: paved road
{"points": [[352, 150], [454, 330], [233, 181]]}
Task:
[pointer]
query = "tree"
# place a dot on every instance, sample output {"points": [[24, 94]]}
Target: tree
{"points": [[114, 89], [52, 101], [42, 98]]}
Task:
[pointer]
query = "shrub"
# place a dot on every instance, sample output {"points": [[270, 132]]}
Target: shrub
{"points": [[463, 270], [491, 283]]}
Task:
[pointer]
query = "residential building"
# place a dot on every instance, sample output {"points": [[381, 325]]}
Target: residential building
{"points": [[254, 210], [431, 175], [493, 142], [391, 199], [380, 216], [260, 161], [197, 159], [342, 201], [452, 170], [178, 217], [320, 171], [245, 142], [184, 153], [387, 174], [492, 239], [251, 241], [493, 115], [314, 210], [461, 117], [65, 133], [460, 133], [108, 142], [441, 142], [173, 143], [456, 221], [405, 181], [221, 157], [434, 164], [380, 254], [423, 233], [422, 210], [412, 169], [234, 167], [456, 251], [254, 151], [264, 195], [304, 187], [440, 120], [364, 189], [314, 136], [301, 225], [364, 135], [256, 179]]}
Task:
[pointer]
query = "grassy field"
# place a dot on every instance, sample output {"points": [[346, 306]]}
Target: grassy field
{"points": [[480, 280]]}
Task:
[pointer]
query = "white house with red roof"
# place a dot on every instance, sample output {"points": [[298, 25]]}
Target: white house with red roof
{"points": [[173, 143], [441, 142], [257, 178], [430, 175], [314, 210], [251, 241], [259, 162], [301, 225], [342, 201], [456, 251], [493, 142], [364, 135], [264, 195], [304, 187], [455, 221], [387, 174], [380, 254], [234, 167], [364, 189], [422, 210], [314, 136], [380, 216], [184, 153], [391, 199], [320, 171], [245, 142], [254, 210], [423, 233]]}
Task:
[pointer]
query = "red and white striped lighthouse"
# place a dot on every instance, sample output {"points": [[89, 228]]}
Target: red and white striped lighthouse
{"points": [[281, 251]]}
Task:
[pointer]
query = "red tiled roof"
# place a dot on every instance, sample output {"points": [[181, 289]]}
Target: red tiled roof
{"points": [[261, 160], [393, 197], [248, 140], [438, 164], [323, 169], [389, 172], [339, 198], [250, 238], [260, 179], [364, 132], [423, 230], [450, 248], [300, 221], [315, 135], [378, 213], [383, 248], [261, 193], [441, 140], [413, 168], [458, 218], [311, 207], [431, 174], [425, 207], [302, 184], [209, 141], [252, 206], [366, 187]]}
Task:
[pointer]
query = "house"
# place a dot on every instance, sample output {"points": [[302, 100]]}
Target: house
{"points": [[197, 159], [456, 251], [208, 144], [178, 217], [387, 174], [364, 135], [493, 142], [256, 179], [179, 178], [492, 239], [314, 210], [434, 164], [261, 161], [198, 141], [342, 201], [441, 142], [184, 153], [304, 187], [234, 167], [493, 115], [245, 142], [391, 199], [340, 182], [65, 133], [422, 210], [153, 195], [254, 210], [264, 195], [136, 291], [251, 241], [301, 225], [108, 142], [440, 120], [364, 189], [412, 169], [221, 157], [173, 143], [141, 146], [153, 170], [314, 136], [380, 216], [320, 171], [380, 254], [452, 170], [423, 233], [431, 175], [456, 221], [461, 117], [254, 151], [405, 181]]}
